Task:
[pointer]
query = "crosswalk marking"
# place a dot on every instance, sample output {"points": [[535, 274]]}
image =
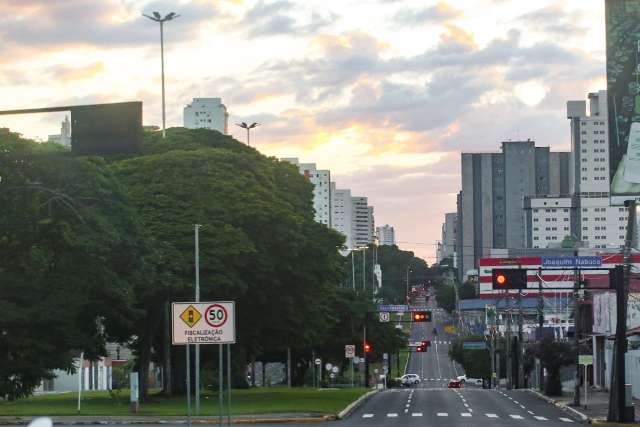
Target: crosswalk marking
{"points": [[566, 420], [516, 402], [443, 414], [492, 415], [465, 414], [416, 414], [392, 415], [530, 412], [367, 415], [541, 418], [516, 417]]}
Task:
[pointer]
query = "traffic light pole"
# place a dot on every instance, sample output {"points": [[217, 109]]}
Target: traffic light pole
{"points": [[576, 335], [364, 351], [540, 325]]}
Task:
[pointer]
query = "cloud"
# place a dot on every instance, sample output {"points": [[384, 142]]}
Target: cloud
{"points": [[274, 18], [442, 12], [70, 74], [36, 24], [555, 21]]}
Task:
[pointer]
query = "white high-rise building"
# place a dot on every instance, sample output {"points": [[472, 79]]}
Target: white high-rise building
{"points": [[342, 213], [446, 246], [386, 235], [208, 113], [585, 215], [362, 221], [65, 134], [321, 180]]}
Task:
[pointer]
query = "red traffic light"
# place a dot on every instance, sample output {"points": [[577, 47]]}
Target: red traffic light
{"points": [[509, 278], [367, 347], [421, 316]]}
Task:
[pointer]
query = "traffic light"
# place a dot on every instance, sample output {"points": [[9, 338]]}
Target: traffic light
{"points": [[508, 278], [367, 347], [421, 316]]}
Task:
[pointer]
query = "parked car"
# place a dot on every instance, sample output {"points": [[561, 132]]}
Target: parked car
{"points": [[408, 380], [455, 384], [461, 378]]}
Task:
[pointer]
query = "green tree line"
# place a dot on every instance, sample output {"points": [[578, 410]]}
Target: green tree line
{"points": [[94, 249]]}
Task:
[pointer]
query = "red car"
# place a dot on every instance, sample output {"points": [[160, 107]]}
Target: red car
{"points": [[455, 384]]}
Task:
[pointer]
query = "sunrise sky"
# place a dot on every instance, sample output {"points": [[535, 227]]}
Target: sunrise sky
{"points": [[384, 93]]}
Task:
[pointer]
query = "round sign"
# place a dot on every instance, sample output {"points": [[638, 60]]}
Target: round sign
{"points": [[332, 375], [318, 361], [335, 370], [375, 371], [356, 360], [328, 366], [216, 315]]}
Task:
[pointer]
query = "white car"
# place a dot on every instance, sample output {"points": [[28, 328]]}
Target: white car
{"points": [[408, 380]]}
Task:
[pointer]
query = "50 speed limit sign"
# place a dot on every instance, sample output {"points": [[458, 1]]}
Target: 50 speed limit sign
{"points": [[203, 322]]}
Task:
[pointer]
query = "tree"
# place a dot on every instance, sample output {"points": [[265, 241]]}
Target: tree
{"points": [[70, 257], [553, 355], [476, 363], [445, 296], [467, 290]]}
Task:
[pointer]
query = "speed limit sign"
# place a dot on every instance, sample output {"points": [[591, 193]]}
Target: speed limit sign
{"points": [[203, 322]]}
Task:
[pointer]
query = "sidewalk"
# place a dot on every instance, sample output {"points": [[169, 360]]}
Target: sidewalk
{"points": [[597, 405]]}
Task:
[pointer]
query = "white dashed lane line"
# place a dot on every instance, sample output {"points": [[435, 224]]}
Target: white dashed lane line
{"points": [[465, 414], [516, 417], [540, 418], [492, 415], [367, 415], [566, 420], [392, 415], [416, 414], [443, 414]]}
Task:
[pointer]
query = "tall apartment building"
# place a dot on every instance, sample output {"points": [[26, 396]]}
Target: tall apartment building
{"points": [[342, 213], [583, 213], [208, 113], [494, 186], [64, 138], [321, 180], [446, 246], [363, 221], [386, 235]]}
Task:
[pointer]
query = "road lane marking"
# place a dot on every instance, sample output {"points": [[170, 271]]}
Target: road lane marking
{"points": [[523, 407], [538, 417], [443, 414], [516, 417], [531, 412], [406, 411], [367, 415], [392, 415], [416, 414], [492, 415], [465, 414], [566, 420]]}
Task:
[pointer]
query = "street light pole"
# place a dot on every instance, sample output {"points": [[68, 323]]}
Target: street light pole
{"points": [[244, 125], [159, 19], [353, 271], [197, 296]]}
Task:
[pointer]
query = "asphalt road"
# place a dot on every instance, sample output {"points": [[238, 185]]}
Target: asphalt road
{"points": [[432, 403]]}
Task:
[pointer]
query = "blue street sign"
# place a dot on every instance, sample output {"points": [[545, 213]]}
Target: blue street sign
{"points": [[392, 308], [570, 261], [474, 345]]}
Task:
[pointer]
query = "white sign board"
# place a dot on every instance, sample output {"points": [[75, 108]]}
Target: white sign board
{"points": [[585, 359], [335, 369], [318, 361], [203, 322], [328, 366], [349, 351], [384, 316]]}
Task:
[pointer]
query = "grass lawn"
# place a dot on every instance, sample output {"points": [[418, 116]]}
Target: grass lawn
{"points": [[243, 402]]}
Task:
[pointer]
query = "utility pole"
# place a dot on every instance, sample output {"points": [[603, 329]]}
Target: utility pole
{"points": [[617, 398], [492, 353], [364, 351], [520, 346], [353, 271], [576, 335], [509, 364], [364, 270], [540, 324], [197, 297]]}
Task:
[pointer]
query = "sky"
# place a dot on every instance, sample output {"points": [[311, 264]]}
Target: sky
{"points": [[384, 93]]}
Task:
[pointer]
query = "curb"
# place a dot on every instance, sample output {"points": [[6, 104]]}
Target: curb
{"points": [[612, 424], [212, 421], [355, 404], [572, 411]]}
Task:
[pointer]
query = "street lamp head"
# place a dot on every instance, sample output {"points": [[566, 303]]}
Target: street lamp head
{"points": [[254, 124], [157, 15], [242, 125], [171, 16]]}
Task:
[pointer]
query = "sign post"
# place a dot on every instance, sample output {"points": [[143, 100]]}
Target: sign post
{"points": [[206, 323], [350, 353], [586, 360]]}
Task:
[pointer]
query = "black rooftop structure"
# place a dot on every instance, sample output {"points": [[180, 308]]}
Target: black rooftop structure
{"points": [[114, 128]]}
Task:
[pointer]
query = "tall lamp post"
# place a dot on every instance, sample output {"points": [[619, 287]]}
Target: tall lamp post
{"points": [[243, 125], [159, 19]]}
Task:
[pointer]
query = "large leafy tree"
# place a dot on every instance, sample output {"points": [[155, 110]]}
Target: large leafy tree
{"points": [[70, 257], [259, 243]]}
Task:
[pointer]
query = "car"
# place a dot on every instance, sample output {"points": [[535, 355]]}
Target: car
{"points": [[474, 381], [455, 384], [461, 378], [408, 380]]}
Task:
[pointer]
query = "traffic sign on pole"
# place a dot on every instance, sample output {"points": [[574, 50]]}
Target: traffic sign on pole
{"points": [[203, 323], [318, 361], [349, 351], [384, 316]]}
